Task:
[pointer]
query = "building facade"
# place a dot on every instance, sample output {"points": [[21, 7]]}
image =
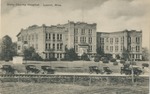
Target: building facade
{"points": [[116, 43], [51, 41]]}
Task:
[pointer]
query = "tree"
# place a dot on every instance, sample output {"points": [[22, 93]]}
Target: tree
{"points": [[125, 54], [100, 51], [145, 54], [71, 55], [8, 48], [30, 54], [117, 56], [85, 57]]}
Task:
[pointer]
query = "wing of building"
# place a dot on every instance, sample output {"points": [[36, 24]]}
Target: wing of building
{"points": [[51, 41], [116, 43]]}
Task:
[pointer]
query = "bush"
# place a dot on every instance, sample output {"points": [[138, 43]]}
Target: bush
{"points": [[63, 59], [133, 63], [51, 59], [122, 61], [85, 57], [105, 61], [115, 63], [108, 56], [96, 59], [145, 65], [113, 60]]}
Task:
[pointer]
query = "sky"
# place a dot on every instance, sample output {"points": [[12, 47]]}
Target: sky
{"points": [[110, 15]]}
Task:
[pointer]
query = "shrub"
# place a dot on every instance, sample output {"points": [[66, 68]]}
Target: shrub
{"points": [[122, 61], [51, 59], [113, 60], [63, 59], [96, 59], [145, 65], [108, 56], [105, 61], [133, 63], [115, 63]]}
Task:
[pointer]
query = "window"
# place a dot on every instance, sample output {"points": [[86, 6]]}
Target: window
{"points": [[130, 48], [137, 48], [46, 36], [137, 39], [129, 39], [46, 46], [121, 48], [83, 32], [60, 36], [57, 55], [111, 48], [102, 40], [102, 47], [57, 36], [49, 46], [76, 48], [90, 39], [82, 39], [49, 36], [90, 48], [53, 55], [46, 55], [18, 47], [60, 55], [90, 31], [57, 46], [116, 40], [111, 40], [76, 39], [116, 48], [76, 31], [107, 39], [61, 46], [53, 36], [53, 46]]}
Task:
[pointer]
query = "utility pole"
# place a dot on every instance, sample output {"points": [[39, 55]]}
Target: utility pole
{"points": [[132, 72], [132, 68]]}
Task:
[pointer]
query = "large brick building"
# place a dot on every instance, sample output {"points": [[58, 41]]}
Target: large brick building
{"points": [[51, 41], [116, 43]]}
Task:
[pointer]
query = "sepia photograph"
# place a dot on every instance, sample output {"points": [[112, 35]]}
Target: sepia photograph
{"points": [[74, 47]]}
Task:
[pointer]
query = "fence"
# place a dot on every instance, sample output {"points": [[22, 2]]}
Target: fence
{"points": [[86, 80]]}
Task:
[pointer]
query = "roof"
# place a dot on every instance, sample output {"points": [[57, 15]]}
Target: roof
{"points": [[120, 31]]}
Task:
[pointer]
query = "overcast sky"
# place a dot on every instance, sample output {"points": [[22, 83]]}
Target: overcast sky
{"points": [[110, 15]]}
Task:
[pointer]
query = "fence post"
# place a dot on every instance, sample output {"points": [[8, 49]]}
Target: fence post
{"points": [[18, 79], [107, 82], [73, 79], [89, 80]]}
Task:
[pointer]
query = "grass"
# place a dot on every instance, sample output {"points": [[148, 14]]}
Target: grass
{"points": [[47, 88], [68, 66]]}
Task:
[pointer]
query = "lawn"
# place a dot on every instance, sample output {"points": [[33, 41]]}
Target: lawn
{"points": [[68, 66], [47, 88]]}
